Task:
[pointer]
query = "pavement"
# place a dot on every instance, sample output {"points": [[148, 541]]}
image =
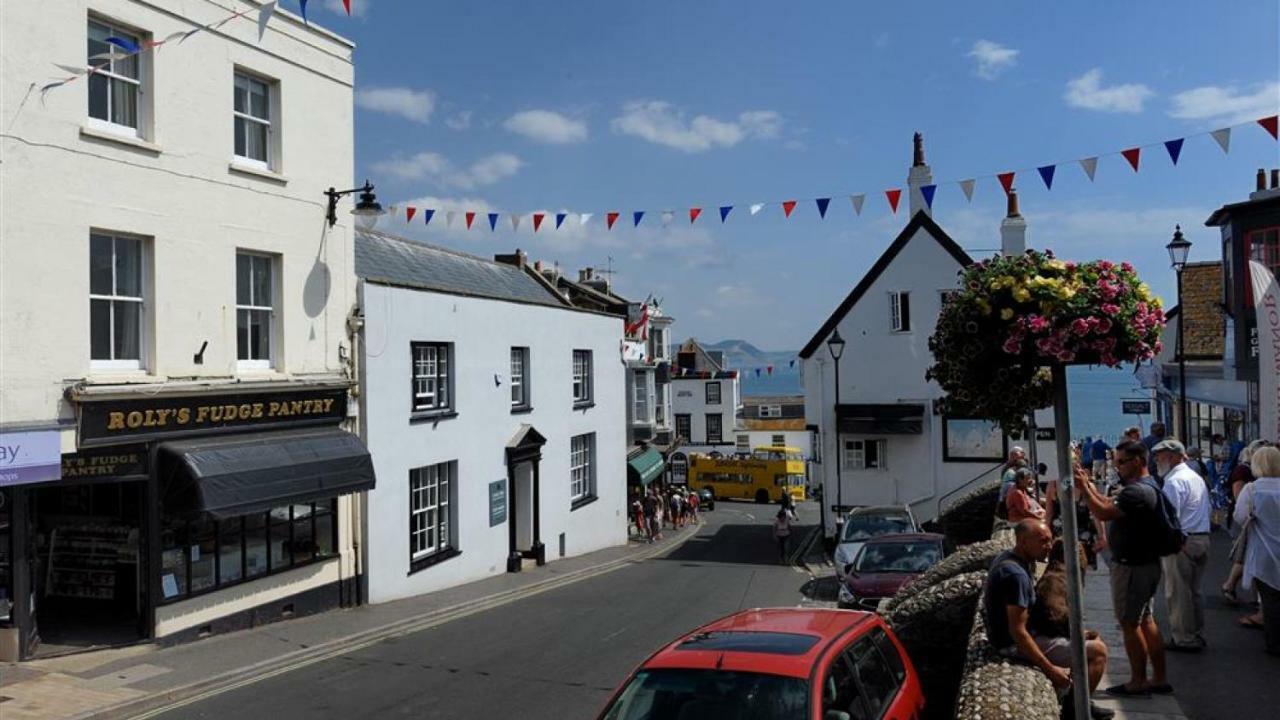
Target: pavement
{"points": [[505, 646]]}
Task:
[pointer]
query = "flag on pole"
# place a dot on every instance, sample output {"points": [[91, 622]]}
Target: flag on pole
{"points": [[1266, 297], [788, 206], [1175, 149], [857, 201], [822, 206], [927, 191], [693, 214], [893, 196], [1090, 166], [1132, 155], [724, 212], [1046, 174], [1006, 181], [1223, 138]]}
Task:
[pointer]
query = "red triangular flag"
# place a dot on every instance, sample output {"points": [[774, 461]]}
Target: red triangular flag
{"points": [[470, 218], [537, 220], [693, 214], [788, 206], [1270, 125], [613, 218], [1006, 182], [769, 369], [1132, 156], [894, 196], [347, 4], [409, 212]]}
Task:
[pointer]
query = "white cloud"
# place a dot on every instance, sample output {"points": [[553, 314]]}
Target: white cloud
{"points": [[992, 58], [460, 120], [1226, 105], [415, 105], [1088, 93], [547, 126], [663, 124], [359, 8], [437, 169]]}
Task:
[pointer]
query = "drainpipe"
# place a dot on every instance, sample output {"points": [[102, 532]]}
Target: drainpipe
{"points": [[355, 370]]}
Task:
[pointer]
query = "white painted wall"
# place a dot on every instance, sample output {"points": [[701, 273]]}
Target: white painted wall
{"points": [[483, 331], [689, 396], [793, 438]]}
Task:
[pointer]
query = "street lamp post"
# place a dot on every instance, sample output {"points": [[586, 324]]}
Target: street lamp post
{"points": [[1179, 247], [836, 347]]}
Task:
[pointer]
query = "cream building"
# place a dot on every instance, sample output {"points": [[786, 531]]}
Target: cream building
{"points": [[172, 297]]}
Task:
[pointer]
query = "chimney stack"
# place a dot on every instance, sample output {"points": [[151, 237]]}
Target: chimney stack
{"points": [[1275, 179], [1262, 191], [1013, 229], [586, 274], [919, 176], [1260, 182]]}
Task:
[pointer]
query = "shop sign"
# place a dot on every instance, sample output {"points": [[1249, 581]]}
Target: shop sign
{"points": [[1135, 407], [112, 422], [634, 351], [30, 457], [497, 502], [113, 463]]}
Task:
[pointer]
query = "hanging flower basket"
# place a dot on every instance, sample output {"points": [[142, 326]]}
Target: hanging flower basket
{"points": [[1015, 316]]}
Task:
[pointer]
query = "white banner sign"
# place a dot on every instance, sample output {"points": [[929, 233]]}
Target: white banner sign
{"points": [[634, 351], [1266, 301]]}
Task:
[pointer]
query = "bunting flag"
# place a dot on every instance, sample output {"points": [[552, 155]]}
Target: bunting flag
{"points": [[893, 196], [537, 222], [1175, 149], [470, 219], [769, 369], [636, 216], [788, 206], [1046, 174], [693, 214], [1090, 166], [966, 186], [427, 214], [757, 372], [264, 16], [1006, 181], [667, 217], [347, 4], [1223, 138], [822, 206], [611, 218], [857, 201], [724, 212], [560, 219], [792, 363], [1132, 155], [302, 4], [449, 215], [927, 191], [515, 223], [756, 207], [409, 212], [1271, 125], [130, 46], [493, 222], [584, 217]]}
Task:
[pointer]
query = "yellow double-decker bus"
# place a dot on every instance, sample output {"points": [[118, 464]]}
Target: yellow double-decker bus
{"points": [[765, 476]]}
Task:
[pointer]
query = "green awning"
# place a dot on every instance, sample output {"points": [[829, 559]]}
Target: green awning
{"points": [[645, 467]]}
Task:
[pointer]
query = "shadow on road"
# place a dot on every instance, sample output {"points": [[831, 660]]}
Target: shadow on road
{"points": [[824, 589], [738, 544]]}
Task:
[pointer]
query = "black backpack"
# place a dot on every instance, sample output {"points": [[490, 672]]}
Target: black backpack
{"points": [[1168, 537]]}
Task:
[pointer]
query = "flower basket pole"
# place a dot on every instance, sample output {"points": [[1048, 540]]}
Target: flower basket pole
{"points": [[1070, 540]]}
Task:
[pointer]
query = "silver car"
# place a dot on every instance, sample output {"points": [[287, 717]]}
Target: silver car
{"points": [[864, 523]]}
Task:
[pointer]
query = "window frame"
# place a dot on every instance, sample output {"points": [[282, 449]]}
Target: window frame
{"points": [[272, 312], [519, 378], [141, 99], [443, 532], [271, 142], [778, 440], [719, 439], [769, 411], [687, 420], [742, 443], [900, 319], [855, 458], [641, 398], [583, 381], [114, 364], [582, 469], [706, 389], [444, 383]]}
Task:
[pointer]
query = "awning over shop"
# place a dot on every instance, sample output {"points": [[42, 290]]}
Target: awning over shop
{"points": [[645, 467], [235, 475], [896, 419]]}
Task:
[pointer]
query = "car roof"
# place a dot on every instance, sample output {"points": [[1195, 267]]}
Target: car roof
{"points": [[879, 510], [904, 537], [825, 626]]}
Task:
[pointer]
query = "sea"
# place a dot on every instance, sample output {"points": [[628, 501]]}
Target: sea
{"points": [[1094, 394]]}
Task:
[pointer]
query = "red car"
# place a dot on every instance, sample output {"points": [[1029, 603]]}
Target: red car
{"points": [[884, 565], [776, 664]]}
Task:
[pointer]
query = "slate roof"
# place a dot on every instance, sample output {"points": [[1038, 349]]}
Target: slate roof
{"points": [[393, 260]]}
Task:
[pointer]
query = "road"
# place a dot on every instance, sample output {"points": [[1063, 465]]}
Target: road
{"points": [[555, 655]]}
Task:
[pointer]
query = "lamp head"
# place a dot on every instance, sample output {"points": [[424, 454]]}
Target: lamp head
{"points": [[1179, 248]]}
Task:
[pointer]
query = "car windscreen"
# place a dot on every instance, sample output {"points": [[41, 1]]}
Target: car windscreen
{"points": [[862, 527], [721, 694], [898, 557]]}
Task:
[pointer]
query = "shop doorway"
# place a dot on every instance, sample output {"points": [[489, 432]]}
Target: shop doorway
{"points": [[88, 564], [524, 453]]}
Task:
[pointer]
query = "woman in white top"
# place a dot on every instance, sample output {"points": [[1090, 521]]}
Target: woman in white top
{"points": [[1259, 506]]}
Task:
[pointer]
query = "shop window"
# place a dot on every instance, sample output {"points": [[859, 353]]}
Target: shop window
{"points": [[203, 548], [302, 546], [278, 534], [326, 534], [255, 545], [230, 550], [173, 562]]}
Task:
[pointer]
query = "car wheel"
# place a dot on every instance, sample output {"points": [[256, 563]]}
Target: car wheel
{"points": [[762, 496]]}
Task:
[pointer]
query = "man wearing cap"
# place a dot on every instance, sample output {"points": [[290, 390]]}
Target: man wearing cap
{"points": [[1184, 570], [1017, 459]]}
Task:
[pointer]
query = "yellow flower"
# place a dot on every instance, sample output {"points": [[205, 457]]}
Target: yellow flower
{"points": [[1064, 292], [1056, 264], [984, 306], [1021, 294], [1144, 291], [1006, 314]]}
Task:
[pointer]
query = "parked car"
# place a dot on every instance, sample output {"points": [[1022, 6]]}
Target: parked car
{"points": [[706, 499], [775, 664], [885, 564], [864, 523]]}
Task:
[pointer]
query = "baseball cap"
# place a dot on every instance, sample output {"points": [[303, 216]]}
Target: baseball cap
{"points": [[1172, 446]]}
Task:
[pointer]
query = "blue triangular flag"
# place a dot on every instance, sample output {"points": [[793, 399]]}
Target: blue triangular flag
{"points": [[303, 4], [427, 214], [724, 211], [927, 191], [793, 363], [757, 372], [637, 215], [126, 45], [822, 206], [1175, 149], [560, 219], [493, 221], [1046, 174]]}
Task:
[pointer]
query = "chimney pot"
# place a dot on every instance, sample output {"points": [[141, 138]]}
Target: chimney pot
{"points": [[1261, 180], [537, 265], [917, 143], [1012, 209], [1275, 178]]}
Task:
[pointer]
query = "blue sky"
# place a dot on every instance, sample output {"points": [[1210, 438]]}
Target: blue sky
{"points": [[589, 107]]}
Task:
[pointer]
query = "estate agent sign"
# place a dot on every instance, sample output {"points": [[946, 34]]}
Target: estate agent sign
{"points": [[30, 457]]}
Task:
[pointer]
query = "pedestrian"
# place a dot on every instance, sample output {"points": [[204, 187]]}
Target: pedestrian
{"points": [[1258, 513], [782, 531], [1157, 434], [637, 514], [1019, 504], [661, 516], [694, 502], [1241, 477], [1098, 456], [1008, 597], [1133, 432], [650, 509], [1135, 566], [1184, 570]]}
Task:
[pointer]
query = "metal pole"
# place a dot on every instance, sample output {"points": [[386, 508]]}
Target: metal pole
{"points": [[839, 457], [1183, 421], [1032, 454], [1070, 542]]}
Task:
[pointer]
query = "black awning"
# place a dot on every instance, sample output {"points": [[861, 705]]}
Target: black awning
{"points": [[235, 475], [895, 419]]}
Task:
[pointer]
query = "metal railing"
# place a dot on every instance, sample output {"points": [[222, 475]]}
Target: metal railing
{"points": [[942, 501]]}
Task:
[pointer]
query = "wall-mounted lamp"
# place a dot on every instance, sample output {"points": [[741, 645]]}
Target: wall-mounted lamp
{"points": [[367, 210]]}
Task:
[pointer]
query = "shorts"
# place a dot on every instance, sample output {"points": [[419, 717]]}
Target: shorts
{"points": [[1133, 587], [1056, 650]]}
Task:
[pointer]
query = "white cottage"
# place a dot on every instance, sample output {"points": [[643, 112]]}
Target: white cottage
{"points": [[494, 410]]}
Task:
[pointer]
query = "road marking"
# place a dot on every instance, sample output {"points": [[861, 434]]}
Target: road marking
{"points": [[612, 635]]}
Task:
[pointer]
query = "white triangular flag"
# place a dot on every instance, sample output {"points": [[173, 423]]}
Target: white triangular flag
{"points": [[756, 207], [667, 217], [1223, 137], [857, 201], [264, 15], [73, 69], [1090, 165], [111, 55], [515, 222], [584, 217], [967, 187], [448, 218]]}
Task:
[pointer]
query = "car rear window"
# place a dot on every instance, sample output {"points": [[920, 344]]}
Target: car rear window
{"points": [[773, 643], [710, 694]]}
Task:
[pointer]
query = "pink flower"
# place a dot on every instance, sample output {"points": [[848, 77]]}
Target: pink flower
{"points": [[1080, 326], [1105, 265], [1103, 325], [1111, 308], [1038, 323], [1066, 356], [1012, 346], [1126, 267]]}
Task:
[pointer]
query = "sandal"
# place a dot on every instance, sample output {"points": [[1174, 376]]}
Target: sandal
{"points": [[1248, 622], [1229, 594], [1122, 691]]}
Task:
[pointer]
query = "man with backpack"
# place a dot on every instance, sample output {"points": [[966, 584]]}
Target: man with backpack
{"points": [[1143, 528], [1184, 570]]}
